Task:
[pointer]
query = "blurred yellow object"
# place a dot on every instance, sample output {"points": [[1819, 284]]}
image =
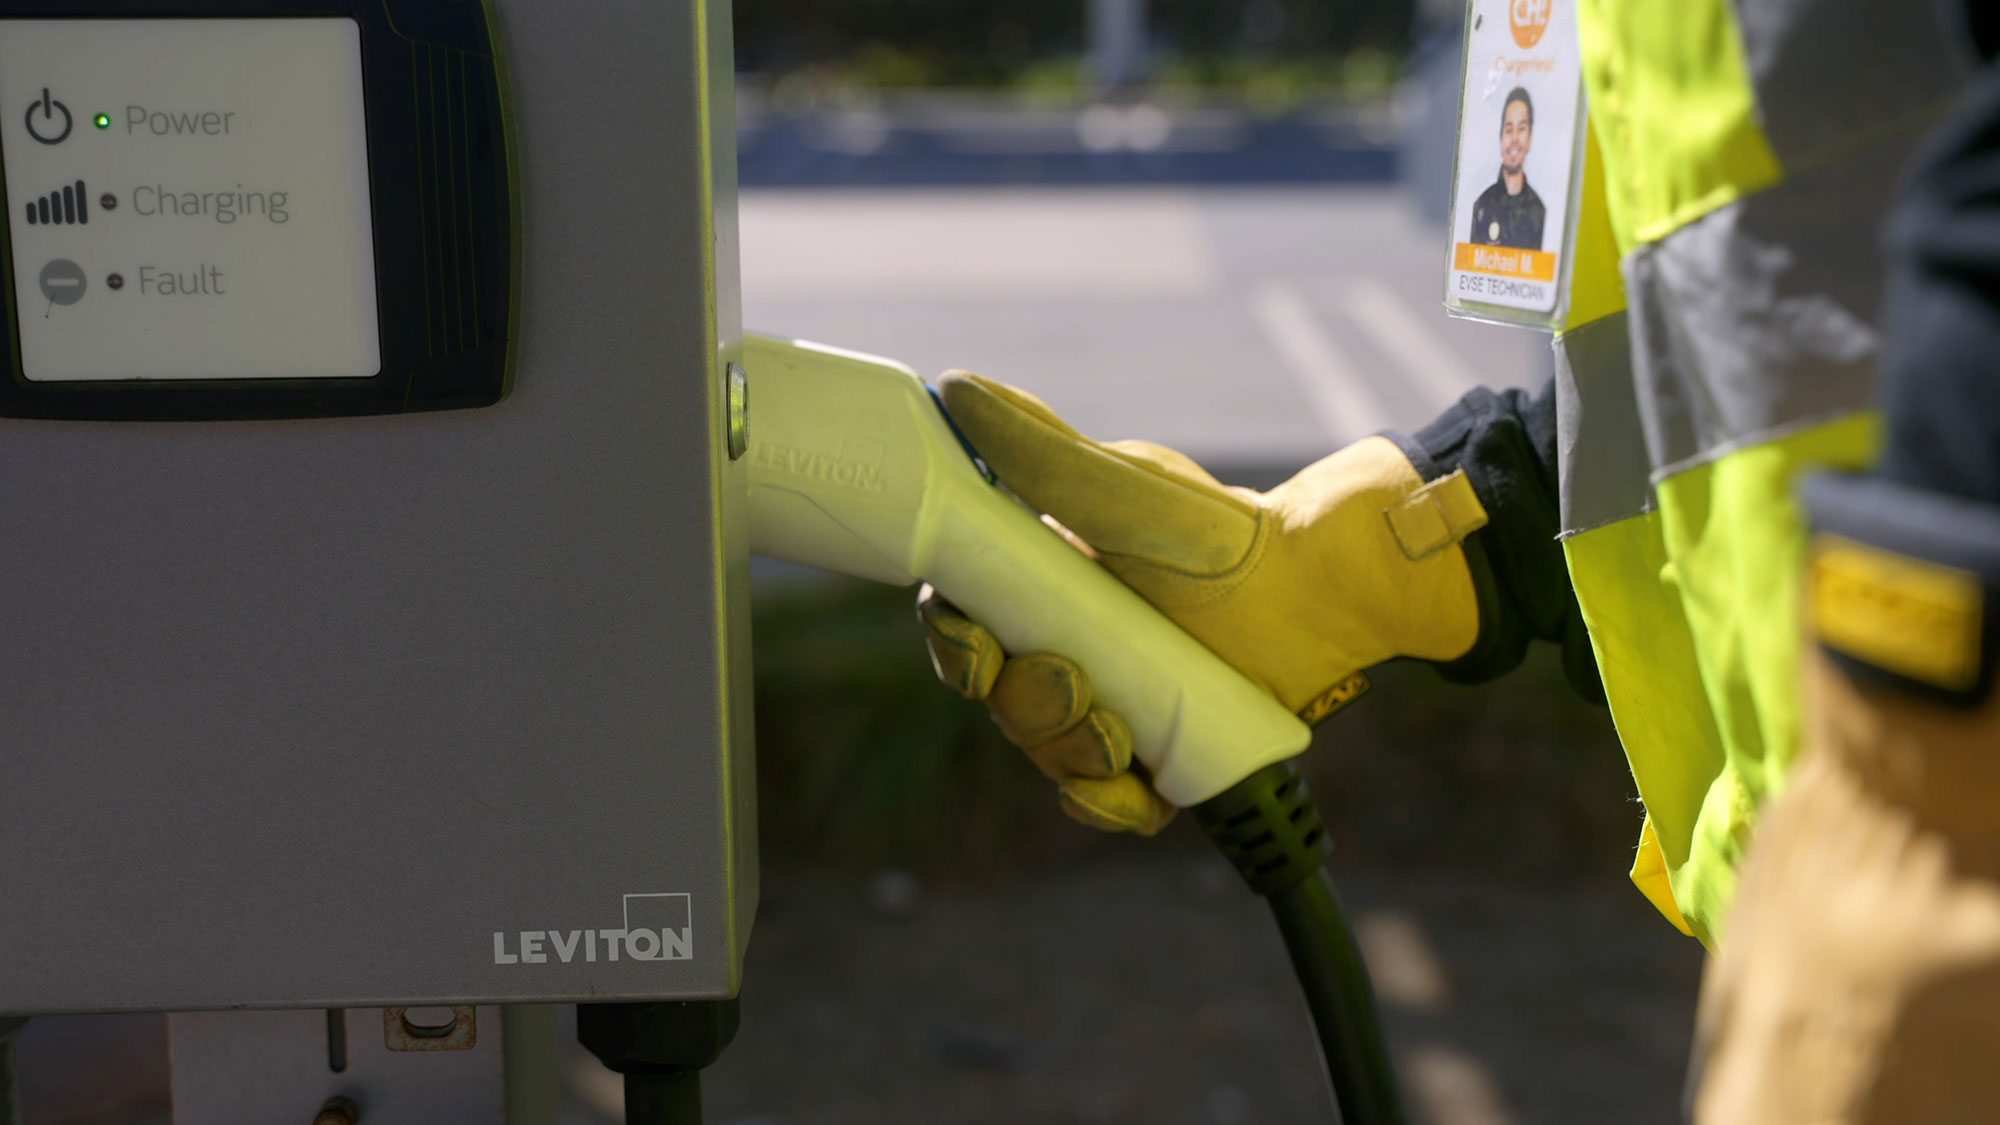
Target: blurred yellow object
{"points": [[1354, 561], [1911, 617], [1859, 979]]}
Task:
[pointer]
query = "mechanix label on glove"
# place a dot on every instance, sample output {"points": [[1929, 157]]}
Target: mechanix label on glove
{"points": [[1334, 698], [1520, 128]]}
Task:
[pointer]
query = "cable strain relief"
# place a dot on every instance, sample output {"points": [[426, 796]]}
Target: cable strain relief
{"points": [[1269, 827]]}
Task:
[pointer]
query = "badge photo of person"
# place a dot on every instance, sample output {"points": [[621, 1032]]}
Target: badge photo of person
{"points": [[1510, 213]]}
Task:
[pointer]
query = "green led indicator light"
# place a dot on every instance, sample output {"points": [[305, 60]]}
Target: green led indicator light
{"points": [[102, 121]]}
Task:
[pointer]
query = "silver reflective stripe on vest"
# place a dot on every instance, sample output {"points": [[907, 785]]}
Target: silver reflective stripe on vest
{"points": [[1832, 73], [1760, 317], [1603, 472]]}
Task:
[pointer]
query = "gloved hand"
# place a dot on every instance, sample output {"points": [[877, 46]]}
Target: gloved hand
{"points": [[1352, 562]]}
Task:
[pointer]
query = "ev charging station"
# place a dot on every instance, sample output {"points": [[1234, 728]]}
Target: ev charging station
{"points": [[374, 552], [382, 471]]}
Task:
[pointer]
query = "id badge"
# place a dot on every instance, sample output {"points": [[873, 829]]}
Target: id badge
{"points": [[1520, 161]]}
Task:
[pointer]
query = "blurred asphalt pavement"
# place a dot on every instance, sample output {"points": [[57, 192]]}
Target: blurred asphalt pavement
{"points": [[1254, 328]]}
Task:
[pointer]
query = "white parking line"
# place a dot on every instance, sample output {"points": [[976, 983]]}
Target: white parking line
{"points": [[1454, 1087], [1416, 347], [974, 245], [1408, 973], [1347, 406]]}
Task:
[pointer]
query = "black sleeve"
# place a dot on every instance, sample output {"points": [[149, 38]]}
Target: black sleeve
{"points": [[1506, 443], [1941, 362]]}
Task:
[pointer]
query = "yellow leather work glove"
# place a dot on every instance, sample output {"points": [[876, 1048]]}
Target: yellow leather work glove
{"points": [[1354, 561]]}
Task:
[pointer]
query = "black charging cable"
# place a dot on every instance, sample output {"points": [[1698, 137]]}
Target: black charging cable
{"points": [[10, 1097], [661, 1049], [1269, 827]]}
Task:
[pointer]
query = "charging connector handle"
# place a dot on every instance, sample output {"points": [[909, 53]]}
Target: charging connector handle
{"points": [[1270, 829], [853, 467]]}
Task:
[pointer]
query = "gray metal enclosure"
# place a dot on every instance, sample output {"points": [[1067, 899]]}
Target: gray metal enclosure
{"points": [[304, 714]]}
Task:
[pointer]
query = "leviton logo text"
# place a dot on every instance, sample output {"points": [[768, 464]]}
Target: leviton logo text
{"points": [[658, 927], [858, 465]]}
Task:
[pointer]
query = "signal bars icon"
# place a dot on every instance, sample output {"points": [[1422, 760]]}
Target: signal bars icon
{"points": [[69, 205]]}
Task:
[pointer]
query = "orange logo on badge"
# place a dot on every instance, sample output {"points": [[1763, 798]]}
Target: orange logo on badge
{"points": [[1528, 18]]}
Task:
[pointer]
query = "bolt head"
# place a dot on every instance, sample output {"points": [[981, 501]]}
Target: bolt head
{"points": [[737, 396]]}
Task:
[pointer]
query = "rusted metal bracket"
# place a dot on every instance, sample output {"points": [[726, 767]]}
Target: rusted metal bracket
{"points": [[420, 1029]]}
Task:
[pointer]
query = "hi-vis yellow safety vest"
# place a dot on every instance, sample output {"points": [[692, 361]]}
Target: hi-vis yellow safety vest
{"points": [[1721, 340]]}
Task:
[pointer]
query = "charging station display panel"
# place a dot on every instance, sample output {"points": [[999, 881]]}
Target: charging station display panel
{"points": [[253, 209], [191, 199]]}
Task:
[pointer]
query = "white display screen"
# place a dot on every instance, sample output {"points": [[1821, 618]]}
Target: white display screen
{"points": [[188, 199]]}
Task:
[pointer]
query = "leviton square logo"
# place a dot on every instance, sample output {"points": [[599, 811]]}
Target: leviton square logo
{"points": [[658, 927]]}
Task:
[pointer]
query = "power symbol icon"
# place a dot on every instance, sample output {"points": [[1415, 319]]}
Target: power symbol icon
{"points": [[42, 120]]}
